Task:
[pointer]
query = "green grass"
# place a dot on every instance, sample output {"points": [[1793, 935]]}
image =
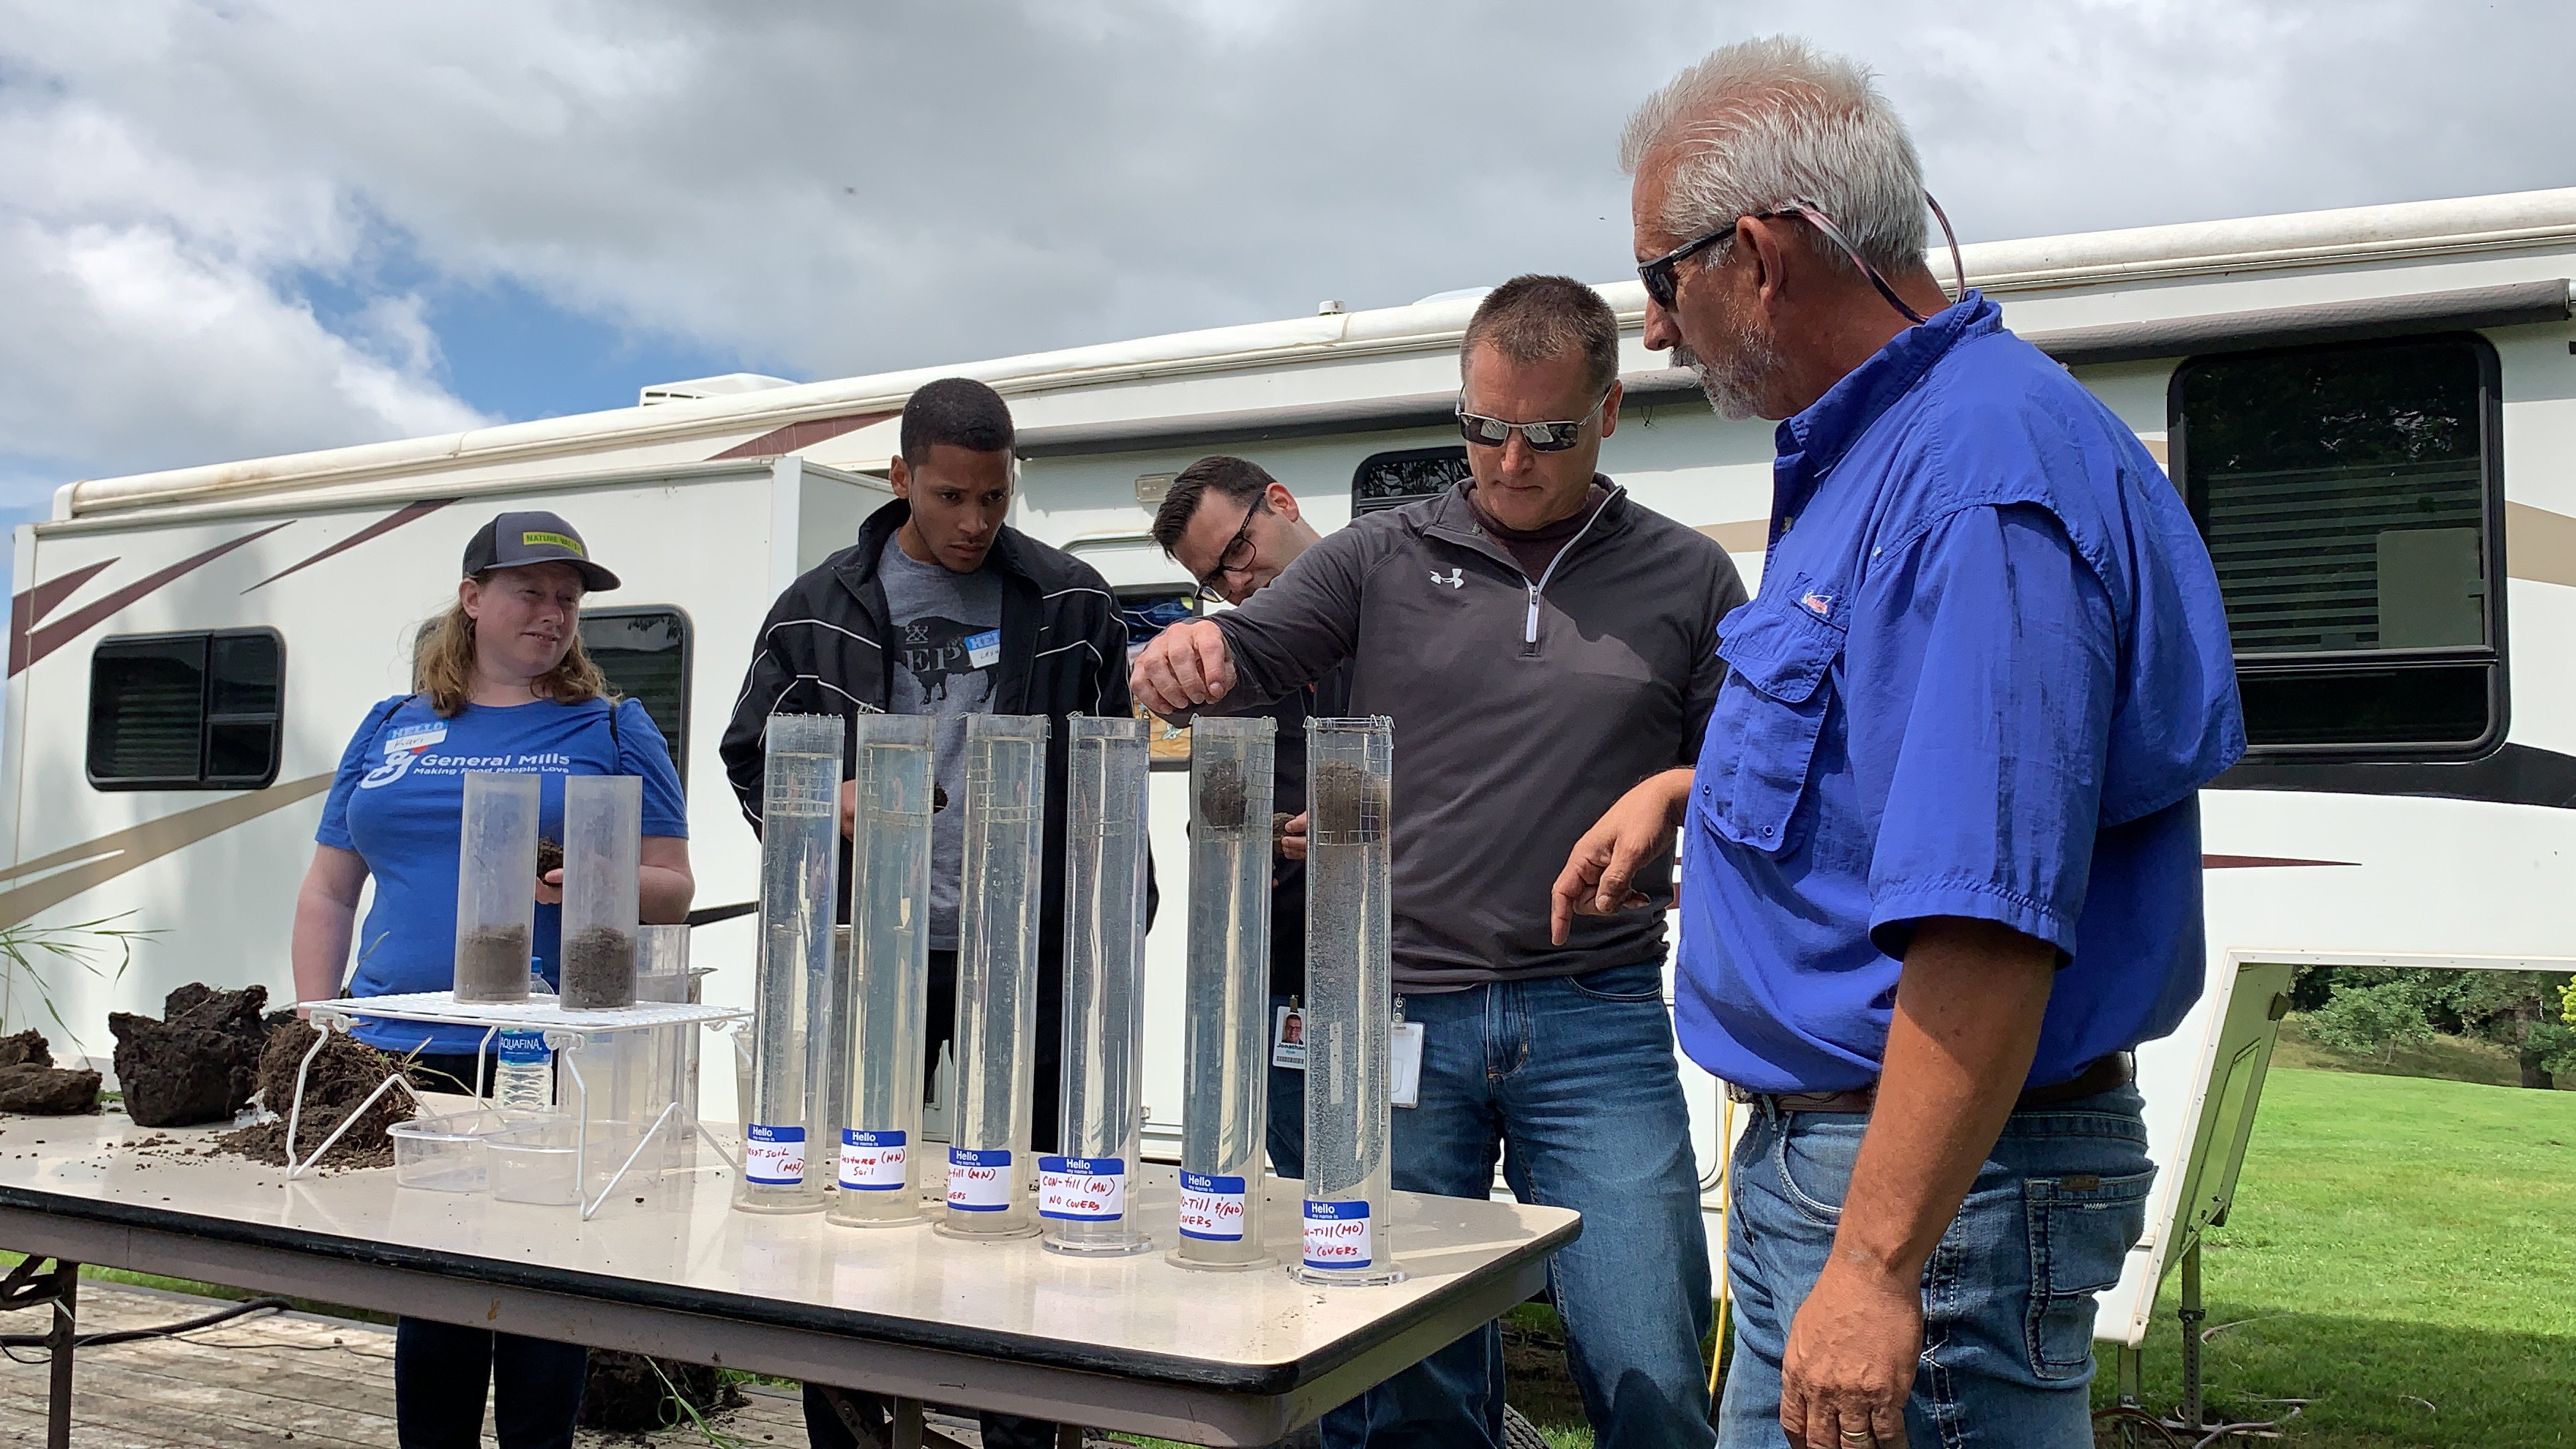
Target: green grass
{"points": [[2401, 1254], [2454, 1058]]}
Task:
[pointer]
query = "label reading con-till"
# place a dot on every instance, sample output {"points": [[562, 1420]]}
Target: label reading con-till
{"points": [[773, 1156], [1337, 1235], [1212, 1208], [1082, 1189], [979, 1180], [873, 1161]]}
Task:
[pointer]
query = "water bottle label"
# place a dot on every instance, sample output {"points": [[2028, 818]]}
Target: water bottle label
{"points": [[1337, 1235], [1212, 1208], [773, 1156], [873, 1161], [1082, 1189], [979, 1180], [523, 1049]]}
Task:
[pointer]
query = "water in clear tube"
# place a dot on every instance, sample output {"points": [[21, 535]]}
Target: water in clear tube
{"points": [[1349, 1002], [885, 998], [1225, 1062], [1083, 1188], [991, 1175], [800, 836]]}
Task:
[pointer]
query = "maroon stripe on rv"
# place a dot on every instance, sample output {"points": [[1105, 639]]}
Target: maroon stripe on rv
{"points": [[44, 641], [28, 606], [2258, 862], [778, 442], [377, 529]]}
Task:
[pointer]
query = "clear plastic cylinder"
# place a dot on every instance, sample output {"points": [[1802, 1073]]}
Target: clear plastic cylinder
{"points": [[602, 848], [496, 887], [1083, 1189], [800, 837], [662, 976], [885, 1000], [990, 1172], [1225, 1062], [1350, 1007]]}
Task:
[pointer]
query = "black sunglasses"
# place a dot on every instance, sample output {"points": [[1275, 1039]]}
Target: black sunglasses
{"points": [[1237, 553], [1662, 276], [1541, 437]]}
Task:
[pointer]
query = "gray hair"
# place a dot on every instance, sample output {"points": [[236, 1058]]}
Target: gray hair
{"points": [[1767, 121]]}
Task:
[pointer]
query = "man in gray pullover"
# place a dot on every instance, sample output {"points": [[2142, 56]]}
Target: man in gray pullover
{"points": [[1542, 643]]}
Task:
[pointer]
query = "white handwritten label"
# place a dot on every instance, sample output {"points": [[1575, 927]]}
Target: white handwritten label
{"points": [[773, 1156], [1212, 1208], [1337, 1235], [979, 1179], [1082, 1189], [873, 1161]]}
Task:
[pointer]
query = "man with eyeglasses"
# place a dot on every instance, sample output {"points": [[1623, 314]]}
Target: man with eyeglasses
{"points": [[1234, 527], [1542, 642], [1943, 851]]}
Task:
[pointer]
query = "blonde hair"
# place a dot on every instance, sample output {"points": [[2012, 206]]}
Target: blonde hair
{"points": [[442, 664]]}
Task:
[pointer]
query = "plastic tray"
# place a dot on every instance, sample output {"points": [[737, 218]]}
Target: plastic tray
{"points": [[445, 1153], [538, 1163]]}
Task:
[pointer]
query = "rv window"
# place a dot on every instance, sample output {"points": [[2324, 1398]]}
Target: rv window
{"points": [[645, 654], [1392, 480], [186, 711], [2348, 496]]}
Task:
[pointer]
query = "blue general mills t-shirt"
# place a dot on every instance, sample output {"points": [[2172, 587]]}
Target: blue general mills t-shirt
{"points": [[399, 799]]}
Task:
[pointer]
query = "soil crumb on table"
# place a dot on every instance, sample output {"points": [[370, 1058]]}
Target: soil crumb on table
{"points": [[31, 1083], [599, 969], [341, 1077], [197, 1063]]}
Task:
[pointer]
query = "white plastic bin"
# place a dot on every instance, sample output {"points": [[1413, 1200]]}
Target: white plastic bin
{"points": [[445, 1153]]}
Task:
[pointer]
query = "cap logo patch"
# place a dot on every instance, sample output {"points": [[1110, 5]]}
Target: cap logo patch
{"points": [[533, 539]]}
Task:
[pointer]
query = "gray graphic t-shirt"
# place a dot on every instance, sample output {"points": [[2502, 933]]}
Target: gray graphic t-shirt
{"points": [[947, 644]]}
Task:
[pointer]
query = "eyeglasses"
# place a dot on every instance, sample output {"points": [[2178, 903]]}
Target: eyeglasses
{"points": [[1662, 276], [1541, 437], [1237, 554]]}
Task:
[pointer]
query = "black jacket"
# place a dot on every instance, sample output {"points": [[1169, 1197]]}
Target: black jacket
{"points": [[1064, 652]]}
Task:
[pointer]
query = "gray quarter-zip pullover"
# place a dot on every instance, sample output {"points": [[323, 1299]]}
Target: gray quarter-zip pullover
{"points": [[1524, 708]]}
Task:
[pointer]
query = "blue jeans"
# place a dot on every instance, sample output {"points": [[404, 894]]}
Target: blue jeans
{"points": [[2008, 1294], [1572, 1081], [440, 1370]]}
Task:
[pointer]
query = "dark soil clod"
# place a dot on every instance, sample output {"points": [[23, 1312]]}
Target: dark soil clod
{"points": [[624, 1395], [1222, 796], [599, 969], [492, 964], [195, 1064], [1347, 802], [31, 1083], [340, 1078], [549, 856]]}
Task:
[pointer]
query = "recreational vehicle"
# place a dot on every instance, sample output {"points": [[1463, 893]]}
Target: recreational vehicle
{"points": [[2372, 413]]}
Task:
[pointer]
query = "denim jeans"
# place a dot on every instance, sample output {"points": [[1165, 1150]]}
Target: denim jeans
{"points": [[2007, 1297], [440, 1371], [1572, 1080]]}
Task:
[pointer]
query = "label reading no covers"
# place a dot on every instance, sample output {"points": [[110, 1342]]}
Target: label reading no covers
{"points": [[873, 1161], [773, 1156], [1212, 1208], [1337, 1235], [1082, 1189], [979, 1180]]}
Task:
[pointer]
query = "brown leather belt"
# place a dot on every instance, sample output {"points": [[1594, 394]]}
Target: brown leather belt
{"points": [[2101, 1075]]}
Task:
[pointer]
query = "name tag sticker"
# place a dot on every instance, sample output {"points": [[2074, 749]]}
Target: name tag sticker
{"points": [[1337, 1235], [984, 650], [1212, 1208], [1404, 1064], [773, 1156], [1082, 1189], [979, 1180], [1288, 1039], [873, 1161]]}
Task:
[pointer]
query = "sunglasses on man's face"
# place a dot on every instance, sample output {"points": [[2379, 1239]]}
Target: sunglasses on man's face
{"points": [[1541, 437], [1663, 280]]}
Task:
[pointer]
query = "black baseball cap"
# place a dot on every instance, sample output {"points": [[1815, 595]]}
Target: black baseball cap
{"points": [[515, 539]]}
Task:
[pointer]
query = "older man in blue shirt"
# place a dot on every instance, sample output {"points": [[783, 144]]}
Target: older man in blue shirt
{"points": [[1942, 845]]}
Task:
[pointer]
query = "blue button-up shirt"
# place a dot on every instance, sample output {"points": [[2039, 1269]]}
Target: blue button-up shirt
{"points": [[1986, 675]]}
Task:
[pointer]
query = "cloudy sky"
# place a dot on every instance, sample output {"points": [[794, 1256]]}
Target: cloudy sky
{"points": [[240, 228]]}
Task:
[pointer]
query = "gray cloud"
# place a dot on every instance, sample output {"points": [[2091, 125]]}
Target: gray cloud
{"points": [[842, 189]]}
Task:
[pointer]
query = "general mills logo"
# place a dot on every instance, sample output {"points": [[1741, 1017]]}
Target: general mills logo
{"points": [[1455, 578]]}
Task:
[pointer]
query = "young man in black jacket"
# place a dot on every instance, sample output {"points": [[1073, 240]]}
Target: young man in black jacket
{"points": [[942, 609]]}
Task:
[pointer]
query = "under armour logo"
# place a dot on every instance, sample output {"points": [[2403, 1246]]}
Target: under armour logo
{"points": [[1454, 578]]}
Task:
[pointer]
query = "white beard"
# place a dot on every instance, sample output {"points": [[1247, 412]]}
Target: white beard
{"points": [[1733, 381]]}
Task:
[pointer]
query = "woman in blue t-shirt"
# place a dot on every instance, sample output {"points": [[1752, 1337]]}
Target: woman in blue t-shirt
{"points": [[500, 683]]}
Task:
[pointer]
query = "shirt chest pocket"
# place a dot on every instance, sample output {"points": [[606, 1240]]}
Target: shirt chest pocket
{"points": [[1767, 719]]}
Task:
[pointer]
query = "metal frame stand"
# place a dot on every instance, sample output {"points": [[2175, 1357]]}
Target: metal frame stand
{"points": [[31, 1286], [2190, 1425], [323, 1024]]}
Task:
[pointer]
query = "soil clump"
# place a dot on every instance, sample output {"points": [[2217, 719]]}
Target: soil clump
{"points": [[197, 1062], [599, 969], [1347, 802], [492, 964], [341, 1077], [1222, 795], [625, 1396], [31, 1083], [549, 857]]}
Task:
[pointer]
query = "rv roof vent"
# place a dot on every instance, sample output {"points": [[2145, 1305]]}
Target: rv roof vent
{"points": [[698, 387]]}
